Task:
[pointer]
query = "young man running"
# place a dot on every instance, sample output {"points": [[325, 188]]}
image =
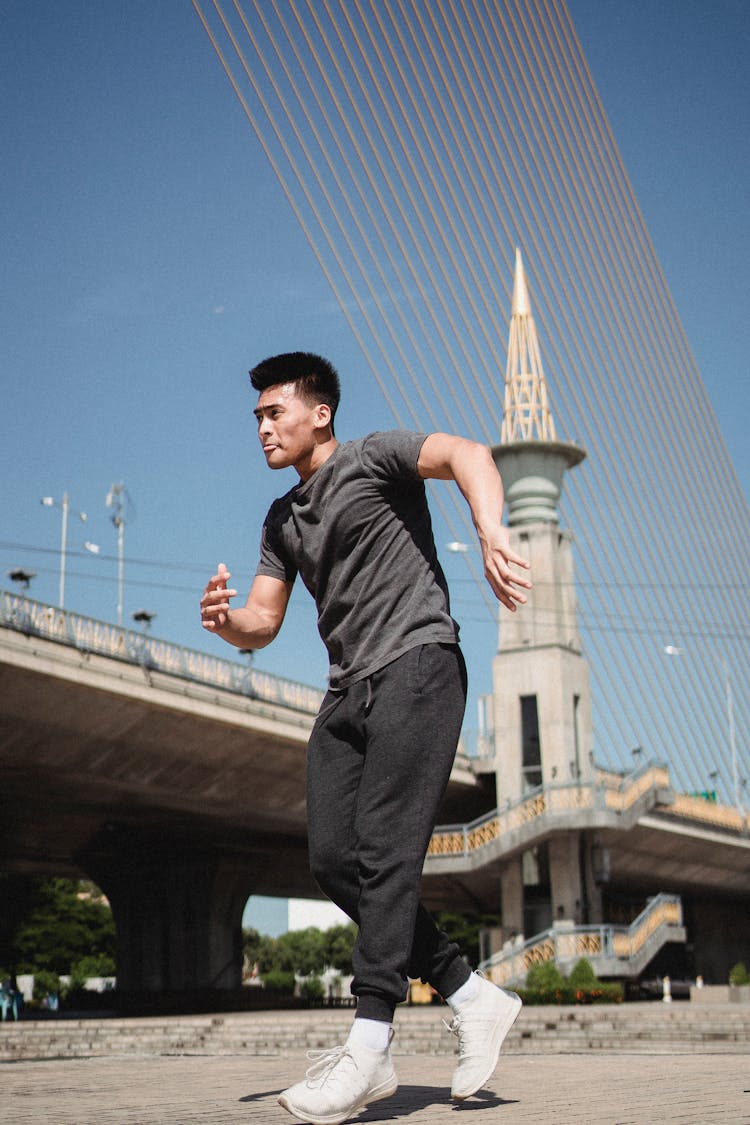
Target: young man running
{"points": [[357, 530]]}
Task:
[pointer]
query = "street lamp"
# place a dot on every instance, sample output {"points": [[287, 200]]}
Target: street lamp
{"points": [[21, 576], [50, 502], [144, 617]]}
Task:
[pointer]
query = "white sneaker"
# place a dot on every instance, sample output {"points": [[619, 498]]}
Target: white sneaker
{"points": [[341, 1081], [481, 1025]]}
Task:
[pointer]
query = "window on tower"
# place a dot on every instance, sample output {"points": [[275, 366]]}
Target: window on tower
{"points": [[531, 750]]}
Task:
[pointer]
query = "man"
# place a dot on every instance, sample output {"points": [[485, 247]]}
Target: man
{"points": [[357, 529]]}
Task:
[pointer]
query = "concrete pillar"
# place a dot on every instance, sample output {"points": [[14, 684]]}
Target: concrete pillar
{"points": [[565, 877], [511, 889], [178, 912]]}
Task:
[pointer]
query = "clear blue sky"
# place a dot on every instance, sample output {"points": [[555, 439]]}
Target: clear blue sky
{"points": [[148, 259]]}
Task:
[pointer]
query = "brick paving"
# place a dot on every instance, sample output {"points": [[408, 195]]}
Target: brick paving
{"points": [[564, 1089]]}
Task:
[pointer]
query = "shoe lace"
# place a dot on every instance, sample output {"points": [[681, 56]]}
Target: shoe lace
{"points": [[324, 1062], [472, 1034]]}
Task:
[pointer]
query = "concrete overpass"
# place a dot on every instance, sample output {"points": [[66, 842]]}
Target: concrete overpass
{"points": [[174, 779]]}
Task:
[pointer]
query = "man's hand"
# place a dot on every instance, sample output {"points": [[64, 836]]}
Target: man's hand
{"points": [[215, 601], [497, 556]]}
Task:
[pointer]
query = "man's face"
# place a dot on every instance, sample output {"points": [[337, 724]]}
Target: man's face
{"points": [[287, 427]]}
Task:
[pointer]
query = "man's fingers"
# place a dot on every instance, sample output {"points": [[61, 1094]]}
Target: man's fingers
{"points": [[504, 584], [214, 605], [519, 560]]}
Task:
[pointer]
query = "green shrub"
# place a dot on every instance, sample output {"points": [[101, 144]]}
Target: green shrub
{"points": [[545, 984], [562, 994], [95, 965], [312, 991], [46, 983], [609, 993], [544, 977], [583, 975], [279, 980], [739, 974]]}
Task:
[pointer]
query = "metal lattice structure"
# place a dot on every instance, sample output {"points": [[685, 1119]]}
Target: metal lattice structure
{"points": [[526, 412]]}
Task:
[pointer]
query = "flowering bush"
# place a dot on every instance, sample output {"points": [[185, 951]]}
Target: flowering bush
{"points": [[545, 984]]}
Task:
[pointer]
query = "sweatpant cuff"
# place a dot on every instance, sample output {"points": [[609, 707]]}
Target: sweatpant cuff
{"points": [[458, 973], [371, 1007]]}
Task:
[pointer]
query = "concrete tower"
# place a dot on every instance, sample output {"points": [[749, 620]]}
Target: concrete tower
{"points": [[541, 694]]}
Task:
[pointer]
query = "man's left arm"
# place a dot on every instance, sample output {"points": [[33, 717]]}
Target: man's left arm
{"points": [[470, 465]]}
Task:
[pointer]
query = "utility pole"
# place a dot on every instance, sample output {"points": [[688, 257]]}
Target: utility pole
{"points": [[116, 501], [50, 502]]}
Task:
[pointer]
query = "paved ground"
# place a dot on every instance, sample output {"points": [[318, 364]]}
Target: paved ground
{"points": [[618, 1089]]}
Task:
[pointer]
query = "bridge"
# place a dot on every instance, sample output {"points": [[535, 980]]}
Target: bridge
{"points": [[174, 779]]}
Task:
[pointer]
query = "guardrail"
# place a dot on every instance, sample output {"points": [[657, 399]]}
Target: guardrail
{"points": [[87, 634], [465, 839], [607, 792], [612, 950]]}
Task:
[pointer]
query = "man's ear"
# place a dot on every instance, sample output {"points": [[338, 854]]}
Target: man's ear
{"points": [[322, 418]]}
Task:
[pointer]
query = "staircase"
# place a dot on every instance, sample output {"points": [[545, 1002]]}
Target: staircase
{"points": [[614, 951], [646, 1028]]}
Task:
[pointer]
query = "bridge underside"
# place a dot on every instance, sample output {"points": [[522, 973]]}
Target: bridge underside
{"points": [[180, 800], [83, 768]]}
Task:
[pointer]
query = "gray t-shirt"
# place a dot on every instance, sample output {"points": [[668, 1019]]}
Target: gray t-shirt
{"points": [[359, 534]]}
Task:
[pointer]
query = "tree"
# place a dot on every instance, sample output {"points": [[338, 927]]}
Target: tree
{"points": [[257, 949], [301, 951], [66, 921], [339, 945], [304, 952]]}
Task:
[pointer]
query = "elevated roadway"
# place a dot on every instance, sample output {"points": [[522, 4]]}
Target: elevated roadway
{"points": [[174, 779]]}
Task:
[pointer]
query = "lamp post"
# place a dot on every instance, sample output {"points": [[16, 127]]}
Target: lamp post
{"points": [[50, 502], [116, 498]]}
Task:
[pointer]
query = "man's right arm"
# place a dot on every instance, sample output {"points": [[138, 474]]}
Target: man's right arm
{"points": [[255, 624]]}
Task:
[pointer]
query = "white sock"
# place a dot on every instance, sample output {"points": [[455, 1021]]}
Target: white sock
{"points": [[373, 1034], [467, 991]]}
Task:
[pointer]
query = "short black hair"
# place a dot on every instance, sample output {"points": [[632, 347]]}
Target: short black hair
{"points": [[316, 379]]}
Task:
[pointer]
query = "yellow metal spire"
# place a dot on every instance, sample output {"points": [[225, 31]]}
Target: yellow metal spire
{"points": [[526, 413]]}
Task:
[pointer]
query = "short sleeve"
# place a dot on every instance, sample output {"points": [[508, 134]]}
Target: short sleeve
{"points": [[393, 454], [274, 561]]}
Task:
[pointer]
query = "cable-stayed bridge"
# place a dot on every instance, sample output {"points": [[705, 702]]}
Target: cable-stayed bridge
{"points": [[418, 145]]}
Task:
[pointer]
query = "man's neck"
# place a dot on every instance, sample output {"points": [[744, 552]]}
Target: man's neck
{"points": [[318, 457]]}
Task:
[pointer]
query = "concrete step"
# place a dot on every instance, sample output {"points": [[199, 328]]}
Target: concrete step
{"points": [[639, 1028]]}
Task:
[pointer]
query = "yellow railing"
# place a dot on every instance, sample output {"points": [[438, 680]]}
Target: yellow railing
{"points": [[608, 791], [664, 912], [459, 840], [567, 944], [632, 789], [708, 812]]}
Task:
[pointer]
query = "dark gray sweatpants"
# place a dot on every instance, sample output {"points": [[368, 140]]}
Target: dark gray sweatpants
{"points": [[379, 759]]}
